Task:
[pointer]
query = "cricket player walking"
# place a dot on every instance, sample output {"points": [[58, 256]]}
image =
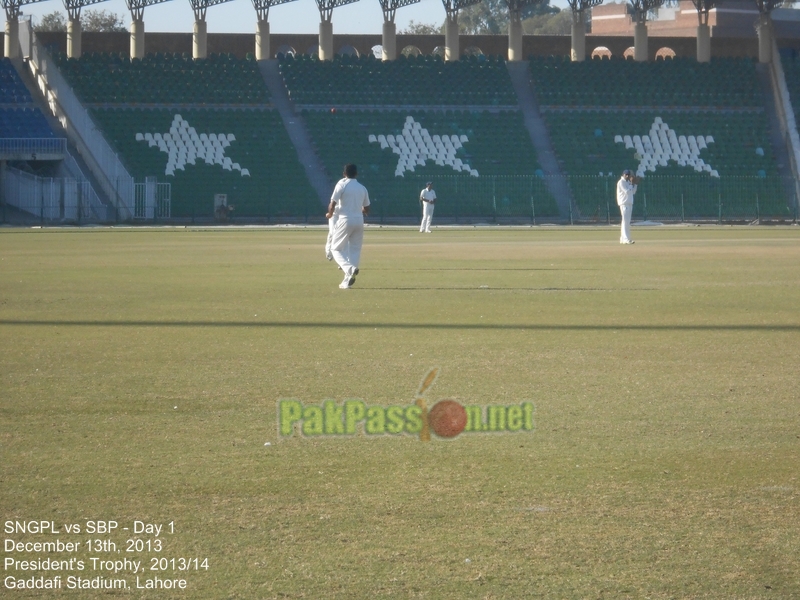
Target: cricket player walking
{"points": [[350, 202]]}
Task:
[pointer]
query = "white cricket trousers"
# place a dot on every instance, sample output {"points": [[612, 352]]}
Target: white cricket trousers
{"points": [[348, 235], [625, 229], [427, 215], [329, 241]]}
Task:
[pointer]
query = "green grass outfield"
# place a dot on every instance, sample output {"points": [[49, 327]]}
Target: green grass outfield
{"points": [[140, 371]]}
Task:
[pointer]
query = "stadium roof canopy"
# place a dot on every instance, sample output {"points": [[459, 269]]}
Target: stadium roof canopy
{"points": [[12, 7], [74, 7], [390, 7], [262, 7], [137, 7]]}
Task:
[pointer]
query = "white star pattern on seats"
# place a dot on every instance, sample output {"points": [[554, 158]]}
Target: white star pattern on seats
{"points": [[662, 144], [416, 146], [183, 145]]}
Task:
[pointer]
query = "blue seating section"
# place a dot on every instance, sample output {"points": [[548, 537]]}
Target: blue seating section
{"points": [[12, 90], [24, 123]]}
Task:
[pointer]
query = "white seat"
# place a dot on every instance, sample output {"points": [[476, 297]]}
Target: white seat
{"points": [[139, 137], [617, 139], [245, 173]]}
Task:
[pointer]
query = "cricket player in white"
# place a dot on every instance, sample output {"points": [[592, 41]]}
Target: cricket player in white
{"points": [[350, 202], [428, 198], [626, 188]]}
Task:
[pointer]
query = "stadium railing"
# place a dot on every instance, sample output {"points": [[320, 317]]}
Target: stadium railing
{"points": [[525, 199], [117, 183], [689, 198], [50, 200], [35, 147]]}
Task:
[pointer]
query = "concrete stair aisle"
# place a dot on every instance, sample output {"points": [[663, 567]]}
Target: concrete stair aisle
{"points": [[779, 145], [297, 130], [554, 178]]}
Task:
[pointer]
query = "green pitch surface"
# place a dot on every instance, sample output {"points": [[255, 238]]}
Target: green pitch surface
{"points": [[140, 372]]}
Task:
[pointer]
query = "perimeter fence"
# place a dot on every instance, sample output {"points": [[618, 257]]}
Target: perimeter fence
{"points": [[529, 198], [523, 199]]}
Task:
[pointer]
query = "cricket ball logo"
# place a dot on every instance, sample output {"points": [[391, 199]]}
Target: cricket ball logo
{"points": [[446, 419]]}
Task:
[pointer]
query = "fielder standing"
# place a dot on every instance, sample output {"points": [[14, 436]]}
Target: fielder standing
{"points": [[428, 198], [350, 202], [626, 188]]}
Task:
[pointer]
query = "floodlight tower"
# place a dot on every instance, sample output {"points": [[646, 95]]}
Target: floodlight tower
{"points": [[451, 8], [640, 9], [11, 39], [515, 8], [578, 46], [764, 28], [137, 24], [389, 38], [262, 28], [200, 32], [74, 25], [326, 26]]}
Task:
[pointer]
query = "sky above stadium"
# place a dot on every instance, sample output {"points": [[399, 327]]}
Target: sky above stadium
{"points": [[239, 16]]}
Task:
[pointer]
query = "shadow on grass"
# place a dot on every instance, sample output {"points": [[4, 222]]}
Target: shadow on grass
{"points": [[373, 325]]}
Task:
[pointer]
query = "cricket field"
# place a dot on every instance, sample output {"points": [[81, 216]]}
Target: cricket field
{"points": [[646, 441]]}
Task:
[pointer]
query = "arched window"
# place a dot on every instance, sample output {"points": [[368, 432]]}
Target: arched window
{"points": [[601, 52], [285, 50], [665, 53], [348, 51]]}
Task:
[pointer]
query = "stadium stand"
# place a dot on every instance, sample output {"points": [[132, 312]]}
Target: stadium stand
{"points": [[12, 90], [680, 82], [24, 123], [696, 132], [412, 81], [487, 170], [205, 126], [791, 70], [416, 119], [254, 166], [19, 118], [164, 79]]}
